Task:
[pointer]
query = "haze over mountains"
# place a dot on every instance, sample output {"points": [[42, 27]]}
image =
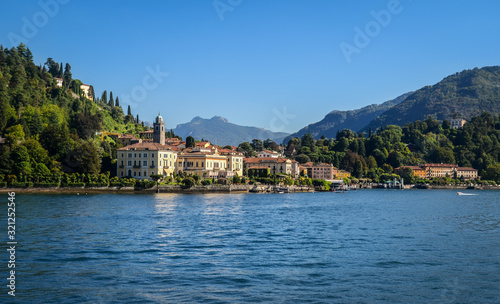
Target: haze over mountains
{"points": [[218, 130]]}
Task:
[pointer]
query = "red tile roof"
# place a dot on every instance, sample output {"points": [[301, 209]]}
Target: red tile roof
{"points": [[146, 145]]}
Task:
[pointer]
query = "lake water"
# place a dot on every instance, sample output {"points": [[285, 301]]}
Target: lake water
{"points": [[365, 246]]}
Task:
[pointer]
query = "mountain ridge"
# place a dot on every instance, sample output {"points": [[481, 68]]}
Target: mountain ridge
{"points": [[351, 119], [218, 130]]}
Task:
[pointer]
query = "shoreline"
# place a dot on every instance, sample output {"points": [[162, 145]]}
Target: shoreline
{"points": [[227, 189]]}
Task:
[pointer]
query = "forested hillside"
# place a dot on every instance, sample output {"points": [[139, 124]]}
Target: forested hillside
{"points": [[375, 157], [465, 94], [49, 129]]}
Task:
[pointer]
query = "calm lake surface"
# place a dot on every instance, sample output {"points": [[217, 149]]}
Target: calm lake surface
{"points": [[366, 246]]}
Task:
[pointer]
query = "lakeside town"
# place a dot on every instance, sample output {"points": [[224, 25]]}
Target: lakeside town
{"points": [[72, 139]]}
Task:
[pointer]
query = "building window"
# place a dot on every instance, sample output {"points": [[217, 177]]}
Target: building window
{"points": [[135, 154], [130, 155], [135, 163], [145, 155], [122, 155], [145, 163], [196, 164], [139, 173], [129, 163], [153, 163], [152, 155], [121, 173], [122, 162], [135, 173], [139, 155], [145, 173]]}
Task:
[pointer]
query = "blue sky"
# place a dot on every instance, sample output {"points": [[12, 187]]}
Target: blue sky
{"points": [[278, 64]]}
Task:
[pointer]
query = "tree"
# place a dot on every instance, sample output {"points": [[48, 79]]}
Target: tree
{"points": [[188, 182], [86, 125], [53, 67], [302, 158], [257, 145], [87, 157], [129, 112], [117, 102], [442, 155], [358, 169], [21, 160], [68, 77], [492, 172], [308, 141], [246, 148], [111, 100], [137, 118], [104, 97], [407, 174], [190, 143]]}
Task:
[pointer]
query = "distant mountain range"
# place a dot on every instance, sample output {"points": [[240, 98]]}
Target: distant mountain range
{"points": [[468, 93], [352, 119], [218, 130]]}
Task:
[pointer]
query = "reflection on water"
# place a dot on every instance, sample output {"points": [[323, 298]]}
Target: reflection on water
{"points": [[359, 247]]}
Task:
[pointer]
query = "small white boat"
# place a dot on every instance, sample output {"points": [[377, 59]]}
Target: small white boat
{"points": [[462, 193]]}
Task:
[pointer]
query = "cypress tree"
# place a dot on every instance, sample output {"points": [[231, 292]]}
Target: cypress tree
{"points": [[60, 71], [111, 100], [117, 102], [137, 119], [67, 75], [129, 112], [104, 97]]}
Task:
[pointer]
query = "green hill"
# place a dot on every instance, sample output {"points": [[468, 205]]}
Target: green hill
{"points": [[468, 93], [49, 127], [353, 120]]}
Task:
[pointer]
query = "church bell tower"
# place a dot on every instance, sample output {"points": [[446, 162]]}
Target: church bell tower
{"points": [[159, 130]]}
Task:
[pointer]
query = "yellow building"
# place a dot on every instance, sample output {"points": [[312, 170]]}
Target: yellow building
{"points": [[342, 173], [141, 160], [234, 161], [204, 163], [418, 171], [439, 170]]}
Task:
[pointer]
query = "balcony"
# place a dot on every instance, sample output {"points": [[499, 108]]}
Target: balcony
{"points": [[152, 166], [136, 166], [121, 166]]}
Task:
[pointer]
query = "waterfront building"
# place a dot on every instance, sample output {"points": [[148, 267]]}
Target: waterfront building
{"points": [[320, 171], [276, 165], [234, 160], [439, 170], [141, 160], [418, 171], [342, 173], [203, 162]]}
